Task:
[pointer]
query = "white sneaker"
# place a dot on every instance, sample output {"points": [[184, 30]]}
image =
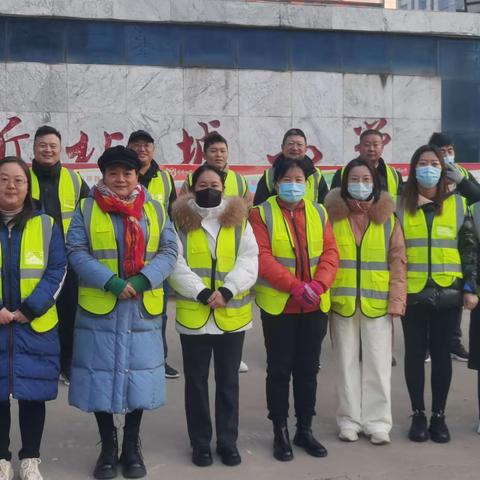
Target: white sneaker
{"points": [[6, 470], [380, 438], [29, 469], [348, 435], [428, 359], [243, 367]]}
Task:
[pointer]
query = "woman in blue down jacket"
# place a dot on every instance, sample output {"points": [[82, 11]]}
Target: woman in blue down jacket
{"points": [[33, 265], [122, 246]]}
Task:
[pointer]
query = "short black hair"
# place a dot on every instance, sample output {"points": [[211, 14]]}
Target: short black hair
{"points": [[207, 168], [440, 139], [212, 138], [371, 131], [293, 132], [358, 162], [285, 164], [47, 130]]}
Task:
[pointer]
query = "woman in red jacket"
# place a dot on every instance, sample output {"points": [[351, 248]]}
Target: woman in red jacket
{"points": [[298, 260]]}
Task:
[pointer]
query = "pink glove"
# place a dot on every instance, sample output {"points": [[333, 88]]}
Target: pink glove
{"points": [[317, 287], [304, 296]]}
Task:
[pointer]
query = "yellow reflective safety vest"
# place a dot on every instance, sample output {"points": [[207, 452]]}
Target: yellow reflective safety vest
{"points": [[312, 184], [433, 254], [392, 181], [363, 276], [193, 314], [235, 184], [463, 170], [103, 246], [69, 187], [34, 249], [160, 187], [268, 298]]}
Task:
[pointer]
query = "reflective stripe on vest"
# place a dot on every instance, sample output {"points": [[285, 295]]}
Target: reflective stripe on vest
{"points": [[69, 186], [103, 245], [433, 254], [191, 313], [312, 184], [160, 187], [392, 181], [463, 170], [363, 273], [268, 298], [235, 184], [34, 249]]}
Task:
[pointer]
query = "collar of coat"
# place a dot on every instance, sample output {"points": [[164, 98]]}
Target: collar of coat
{"points": [[379, 212], [187, 219]]}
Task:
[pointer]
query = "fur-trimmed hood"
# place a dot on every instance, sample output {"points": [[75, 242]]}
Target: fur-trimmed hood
{"points": [[234, 212], [379, 211]]}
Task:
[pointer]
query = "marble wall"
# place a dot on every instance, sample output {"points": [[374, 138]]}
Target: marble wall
{"points": [[97, 105]]}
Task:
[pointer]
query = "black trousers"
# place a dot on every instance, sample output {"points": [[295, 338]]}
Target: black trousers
{"points": [[32, 420], [166, 289], [67, 307], [106, 425], [227, 354], [426, 327], [293, 343]]}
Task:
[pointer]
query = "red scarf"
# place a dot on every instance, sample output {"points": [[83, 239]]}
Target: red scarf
{"points": [[131, 210]]}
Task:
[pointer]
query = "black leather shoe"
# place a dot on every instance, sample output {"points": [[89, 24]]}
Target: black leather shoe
{"points": [[418, 429], [106, 466], [230, 456], [131, 457], [282, 448], [304, 438], [438, 428], [202, 456]]}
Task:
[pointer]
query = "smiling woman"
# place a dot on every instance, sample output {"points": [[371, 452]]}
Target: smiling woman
{"points": [[122, 247], [32, 269]]}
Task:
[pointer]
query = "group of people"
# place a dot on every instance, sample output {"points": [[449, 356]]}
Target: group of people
{"points": [[85, 272]]}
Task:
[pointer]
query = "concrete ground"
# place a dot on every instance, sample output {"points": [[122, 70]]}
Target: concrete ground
{"points": [[70, 449]]}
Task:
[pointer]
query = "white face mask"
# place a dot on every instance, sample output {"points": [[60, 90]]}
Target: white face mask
{"points": [[449, 158], [360, 190]]}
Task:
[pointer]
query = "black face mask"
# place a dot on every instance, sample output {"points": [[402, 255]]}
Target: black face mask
{"points": [[208, 197]]}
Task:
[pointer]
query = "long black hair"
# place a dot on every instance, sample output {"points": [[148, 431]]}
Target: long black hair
{"points": [[29, 206]]}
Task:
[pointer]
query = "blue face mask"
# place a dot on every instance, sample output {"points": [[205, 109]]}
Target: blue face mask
{"points": [[449, 158], [291, 192], [359, 190], [428, 177]]}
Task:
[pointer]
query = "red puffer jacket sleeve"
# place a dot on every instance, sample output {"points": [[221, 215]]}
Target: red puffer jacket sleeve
{"points": [[329, 260], [268, 268]]}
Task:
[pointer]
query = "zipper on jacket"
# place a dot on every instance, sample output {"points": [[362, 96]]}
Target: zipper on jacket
{"points": [[298, 243], [429, 246], [359, 269], [9, 306]]}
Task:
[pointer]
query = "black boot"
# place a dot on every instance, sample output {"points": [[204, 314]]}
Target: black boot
{"points": [[418, 429], [438, 428], [282, 449], [106, 466], [304, 438], [131, 457]]}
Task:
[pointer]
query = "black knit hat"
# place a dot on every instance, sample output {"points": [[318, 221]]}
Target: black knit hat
{"points": [[119, 155]]}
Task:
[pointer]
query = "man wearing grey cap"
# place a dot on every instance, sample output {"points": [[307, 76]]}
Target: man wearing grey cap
{"points": [[161, 187]]}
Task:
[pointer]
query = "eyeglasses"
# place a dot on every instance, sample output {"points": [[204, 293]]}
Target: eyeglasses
{"points": [[18, 182]]}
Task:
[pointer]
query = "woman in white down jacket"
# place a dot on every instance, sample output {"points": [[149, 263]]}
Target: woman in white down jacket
{"points": [[217, 265]]}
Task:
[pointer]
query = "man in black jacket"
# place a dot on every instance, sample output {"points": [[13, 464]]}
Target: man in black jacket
{"points": [[58, 190], [161, 187], [294, 146], [464, 183], [371, 150]]}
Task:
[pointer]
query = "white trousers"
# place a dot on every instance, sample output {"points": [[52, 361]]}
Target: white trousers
{"points": [[363, 387]]}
